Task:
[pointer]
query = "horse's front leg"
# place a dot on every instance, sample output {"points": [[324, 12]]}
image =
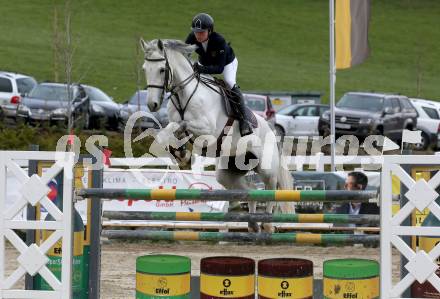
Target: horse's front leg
{"points": [[170, 140], [183, 133]]}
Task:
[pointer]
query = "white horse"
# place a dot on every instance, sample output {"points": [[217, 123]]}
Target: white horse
{"points": [[196, 109]]}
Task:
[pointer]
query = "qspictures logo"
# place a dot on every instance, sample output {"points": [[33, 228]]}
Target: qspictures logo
{"points": [[156, 150]]}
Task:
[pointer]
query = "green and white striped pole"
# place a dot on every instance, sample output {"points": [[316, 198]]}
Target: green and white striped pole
{"points": [[293, 238], [243, 217], [230, 195]]}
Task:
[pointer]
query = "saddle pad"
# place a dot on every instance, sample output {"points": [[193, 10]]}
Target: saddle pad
{"points": [[231, 107]]}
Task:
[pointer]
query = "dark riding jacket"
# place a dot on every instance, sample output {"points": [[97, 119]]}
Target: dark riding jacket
{"points": [[218, 53]]}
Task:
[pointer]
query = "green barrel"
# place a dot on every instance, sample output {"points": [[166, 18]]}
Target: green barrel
{"points": [[351, 278], [163, 276]]}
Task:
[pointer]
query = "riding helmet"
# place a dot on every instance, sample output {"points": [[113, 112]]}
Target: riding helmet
{"points": [[202, 22]]}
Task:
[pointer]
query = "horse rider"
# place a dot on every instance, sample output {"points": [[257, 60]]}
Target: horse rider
{"points": [[216, 56]]}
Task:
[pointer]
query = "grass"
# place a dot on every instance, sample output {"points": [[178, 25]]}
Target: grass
{"points": [[281, 45]]}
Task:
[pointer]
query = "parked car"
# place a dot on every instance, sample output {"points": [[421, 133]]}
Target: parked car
{"points": [[299, 119], [436, 104], [428, 122], [48, 102], [12, 88], [363, 114], [262, 106], [104, 112], [138, 102]]}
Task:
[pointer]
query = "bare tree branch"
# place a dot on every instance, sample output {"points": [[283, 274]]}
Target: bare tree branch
{"points": [[56, 44]]}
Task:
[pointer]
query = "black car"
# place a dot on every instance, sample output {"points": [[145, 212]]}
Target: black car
{"points": [[104, 112], [49, 102], [362, 114], [138, 102]]}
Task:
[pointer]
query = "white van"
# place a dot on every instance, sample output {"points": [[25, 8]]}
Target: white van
{"points": [[428, 122]]}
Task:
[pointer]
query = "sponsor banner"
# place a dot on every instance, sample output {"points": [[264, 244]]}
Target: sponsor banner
{"points": [[280, 101], [166, 179], [137, 178]]}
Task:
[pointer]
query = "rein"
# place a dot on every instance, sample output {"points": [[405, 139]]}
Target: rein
{"points": [[176, 88]]}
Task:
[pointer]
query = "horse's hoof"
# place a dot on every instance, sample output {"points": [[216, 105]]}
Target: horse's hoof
{"points": [[253, 227], [184, 158], [267, 228]]}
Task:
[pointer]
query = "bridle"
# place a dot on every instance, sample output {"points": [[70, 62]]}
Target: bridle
{"points": [[173, 90], [168, 74]]}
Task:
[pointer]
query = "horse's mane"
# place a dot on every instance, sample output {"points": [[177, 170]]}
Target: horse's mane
{"points": [[171, 44]]}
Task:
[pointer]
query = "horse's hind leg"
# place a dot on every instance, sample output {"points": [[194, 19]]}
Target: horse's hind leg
{"points": [[231, 179], [270, 182]]}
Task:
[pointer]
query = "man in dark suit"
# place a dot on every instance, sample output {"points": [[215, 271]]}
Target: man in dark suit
{"points": [[357, 181]]}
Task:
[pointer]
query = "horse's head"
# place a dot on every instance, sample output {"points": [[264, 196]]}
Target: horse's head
{"points": [[157, 72], [158, 67]]}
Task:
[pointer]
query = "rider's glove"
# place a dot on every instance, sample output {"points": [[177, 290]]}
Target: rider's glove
{"points": [[199, 68]]}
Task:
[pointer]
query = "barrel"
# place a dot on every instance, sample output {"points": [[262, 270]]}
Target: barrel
{"points": [[351, 278], [285, 278], [163, 276], [227, 277], [425, 290]]}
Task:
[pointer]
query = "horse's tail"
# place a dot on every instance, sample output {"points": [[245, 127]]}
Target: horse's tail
{"points": [[285, 182]]}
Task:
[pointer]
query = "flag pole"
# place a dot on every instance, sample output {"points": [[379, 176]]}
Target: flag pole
{"points": [[332, 84]]}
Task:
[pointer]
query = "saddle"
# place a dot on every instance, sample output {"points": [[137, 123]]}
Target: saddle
{"points": [[231, 104]]}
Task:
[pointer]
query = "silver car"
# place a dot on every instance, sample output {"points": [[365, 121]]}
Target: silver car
{"points": [[49, 102], [138, 102], [13, 87]]}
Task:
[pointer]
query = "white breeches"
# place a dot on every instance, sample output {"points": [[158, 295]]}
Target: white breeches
{"points": [[230, 73]]}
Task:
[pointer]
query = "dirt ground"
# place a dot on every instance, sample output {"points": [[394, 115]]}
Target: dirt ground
{"points": [[119, 259]]}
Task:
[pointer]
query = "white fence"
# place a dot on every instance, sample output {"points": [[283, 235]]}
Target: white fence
{"points": [[33, 259], [421, 265]]}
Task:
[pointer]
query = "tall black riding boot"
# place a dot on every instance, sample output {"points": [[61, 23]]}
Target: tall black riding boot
{"points": [[244, 123]]}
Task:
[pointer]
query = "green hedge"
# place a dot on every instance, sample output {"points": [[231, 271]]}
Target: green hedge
{"points": [[22, 137]]}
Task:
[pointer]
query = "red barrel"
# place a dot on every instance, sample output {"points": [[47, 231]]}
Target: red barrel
{"points": [[227, 277], [425, 290], [427, 243], [285, 278]]}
